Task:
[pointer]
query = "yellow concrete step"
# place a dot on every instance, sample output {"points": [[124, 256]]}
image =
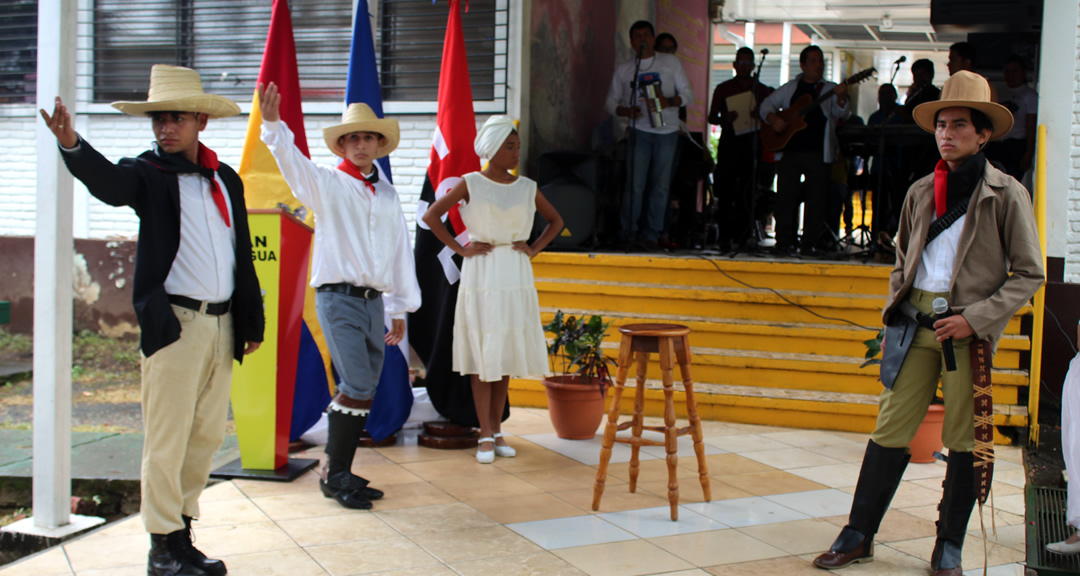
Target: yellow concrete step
{"points": [[719, 302], [766, 406], [837, 374], [854, 278], [836, 340]]}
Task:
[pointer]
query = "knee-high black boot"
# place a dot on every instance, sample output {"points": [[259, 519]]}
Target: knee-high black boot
{"points": [[337, 481], [954, 512], [882, 470]]}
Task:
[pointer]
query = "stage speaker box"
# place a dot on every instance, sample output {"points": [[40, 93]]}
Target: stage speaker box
{"points": [[568, 180]]}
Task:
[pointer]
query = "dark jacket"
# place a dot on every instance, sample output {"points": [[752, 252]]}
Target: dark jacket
{"points": [[155, 196]]}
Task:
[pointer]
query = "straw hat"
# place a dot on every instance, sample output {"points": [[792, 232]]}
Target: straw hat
{"points": [[360, 118], [969, 90], [178, 89]]}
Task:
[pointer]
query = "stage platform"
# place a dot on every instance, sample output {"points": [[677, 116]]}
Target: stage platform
{"points": [[775, 341]]}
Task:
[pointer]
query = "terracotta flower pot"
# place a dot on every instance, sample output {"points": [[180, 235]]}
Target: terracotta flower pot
{"points": [[928, 439], [576, 409]]}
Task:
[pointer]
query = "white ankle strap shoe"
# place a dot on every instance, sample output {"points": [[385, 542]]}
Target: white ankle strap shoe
{"points": [[485, 456], [503, 451]]}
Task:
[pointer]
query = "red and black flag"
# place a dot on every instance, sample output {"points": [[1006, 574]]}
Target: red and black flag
{"points": [[438, 269]]}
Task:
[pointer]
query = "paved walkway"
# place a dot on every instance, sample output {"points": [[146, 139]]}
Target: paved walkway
{"points": [[779, 498]]}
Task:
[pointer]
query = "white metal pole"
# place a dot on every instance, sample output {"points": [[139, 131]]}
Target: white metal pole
{"points": [[53, 247], [785, 55]]}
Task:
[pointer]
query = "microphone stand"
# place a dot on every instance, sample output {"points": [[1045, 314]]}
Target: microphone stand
{"points": [[757, 234], [632, 137]]}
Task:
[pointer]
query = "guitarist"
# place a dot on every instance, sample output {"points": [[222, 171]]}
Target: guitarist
{"points": [[809, 154]]}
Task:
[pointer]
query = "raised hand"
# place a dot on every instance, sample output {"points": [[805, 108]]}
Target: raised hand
{"points": [[269, 102], [61, 125]]}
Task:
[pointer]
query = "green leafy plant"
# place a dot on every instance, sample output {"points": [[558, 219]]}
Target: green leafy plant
{"points": [[577, 348]]}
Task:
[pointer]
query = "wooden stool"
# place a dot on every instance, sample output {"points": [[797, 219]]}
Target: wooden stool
{"points": [[670, 340]]}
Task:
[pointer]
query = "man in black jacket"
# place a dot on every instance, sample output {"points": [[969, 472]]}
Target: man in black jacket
{"points": [[195, 293]]}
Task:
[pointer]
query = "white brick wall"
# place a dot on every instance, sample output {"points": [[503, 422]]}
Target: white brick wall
{"points": [[117, 135], [1072, 253]]}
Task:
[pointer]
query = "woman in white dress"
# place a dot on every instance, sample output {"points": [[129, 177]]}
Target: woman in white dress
{"points": [[497, 330]]}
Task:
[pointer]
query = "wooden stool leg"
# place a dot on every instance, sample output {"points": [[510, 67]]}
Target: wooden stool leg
{"points": [[613, 420], [638, 418], [695, 420], [671, 439]]}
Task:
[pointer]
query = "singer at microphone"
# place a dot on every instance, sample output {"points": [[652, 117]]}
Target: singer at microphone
{"points": [[647, 90]]}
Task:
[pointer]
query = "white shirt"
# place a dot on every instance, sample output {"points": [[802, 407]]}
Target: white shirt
{"points": [[205, 263], [938, 257], [781, 99], [673, 81], [360, 238], [1021, 101]]}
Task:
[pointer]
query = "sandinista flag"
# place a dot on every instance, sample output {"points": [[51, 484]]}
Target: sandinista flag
{"points": [[437, 267], [265, 187], [393, 394]]}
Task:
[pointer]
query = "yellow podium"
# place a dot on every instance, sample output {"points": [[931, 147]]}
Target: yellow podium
{"points": [[263, 386]]}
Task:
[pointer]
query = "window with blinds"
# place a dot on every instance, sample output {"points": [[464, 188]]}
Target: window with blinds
{"points": [[119, 40], [222, 39], [18, 51], [411, 34]]}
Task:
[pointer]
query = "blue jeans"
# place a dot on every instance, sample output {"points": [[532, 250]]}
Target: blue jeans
{"points": [[653, 156]]}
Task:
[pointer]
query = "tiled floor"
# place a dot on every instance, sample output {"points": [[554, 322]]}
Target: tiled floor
{"points": [[779, 498]]}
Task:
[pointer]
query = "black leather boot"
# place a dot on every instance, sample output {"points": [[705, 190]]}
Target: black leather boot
{"points": [[882, 470], [957, 500], [163, 561], [184, 547], [338, 481]]}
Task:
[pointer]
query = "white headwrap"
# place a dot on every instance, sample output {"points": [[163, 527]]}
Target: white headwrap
{"points": [[492, 135]]}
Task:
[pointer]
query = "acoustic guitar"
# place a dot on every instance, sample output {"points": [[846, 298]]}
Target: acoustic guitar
{"points": [[795, 115]]}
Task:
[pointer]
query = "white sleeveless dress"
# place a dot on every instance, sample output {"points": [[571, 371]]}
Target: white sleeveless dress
{"points": [[497, 329]]}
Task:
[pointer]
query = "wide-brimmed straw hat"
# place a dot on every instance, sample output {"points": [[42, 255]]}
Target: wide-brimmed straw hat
{"points": [[178, 89], [359, 117], [969, 90]]}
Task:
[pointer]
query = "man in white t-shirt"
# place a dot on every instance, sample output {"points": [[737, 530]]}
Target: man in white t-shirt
{"points": [[651, 148], [1017, 149]]}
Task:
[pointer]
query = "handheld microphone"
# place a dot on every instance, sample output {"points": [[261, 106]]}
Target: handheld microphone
{"points": [[641, 49], [764, 51], [900, 60], [941, 310]]}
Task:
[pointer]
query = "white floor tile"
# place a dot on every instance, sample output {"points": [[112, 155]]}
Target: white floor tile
{"points": [[655, 522], [1004, 570], [571, 532], [585, 451], [816, 503], [922, 471], [789, 458], [833, 476], [686, 449], [740, 443], [741, 512]]}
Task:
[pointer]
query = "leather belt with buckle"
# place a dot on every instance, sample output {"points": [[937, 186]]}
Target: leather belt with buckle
{"points": [[208, 308], [350, 290]]}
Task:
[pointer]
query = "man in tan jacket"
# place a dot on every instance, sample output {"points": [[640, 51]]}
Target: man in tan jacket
{"points": [[967, 235]]}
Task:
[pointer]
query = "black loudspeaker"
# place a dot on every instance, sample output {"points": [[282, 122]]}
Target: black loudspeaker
{"points": [[568, 180]]}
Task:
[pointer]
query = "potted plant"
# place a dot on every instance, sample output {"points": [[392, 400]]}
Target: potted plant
{"points": [[580, 375], [927, 439]]}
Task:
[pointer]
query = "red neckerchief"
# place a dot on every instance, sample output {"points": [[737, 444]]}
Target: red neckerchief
{"points": [[208, 159], [351, 169], [941, 187]]}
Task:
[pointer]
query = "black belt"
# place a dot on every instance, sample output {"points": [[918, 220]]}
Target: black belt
{"points": [[350, 290], [208, 308], [921, 319]]}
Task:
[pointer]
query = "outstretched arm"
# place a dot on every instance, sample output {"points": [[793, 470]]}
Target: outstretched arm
{"points": [[112, 184], [305, 178]]}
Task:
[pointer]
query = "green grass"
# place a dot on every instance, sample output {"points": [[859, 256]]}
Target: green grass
{"points": [[15, 344]]}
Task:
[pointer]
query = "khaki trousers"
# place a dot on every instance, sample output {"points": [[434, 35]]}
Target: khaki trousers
{"points": [[902, 409], [185, 402]]}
